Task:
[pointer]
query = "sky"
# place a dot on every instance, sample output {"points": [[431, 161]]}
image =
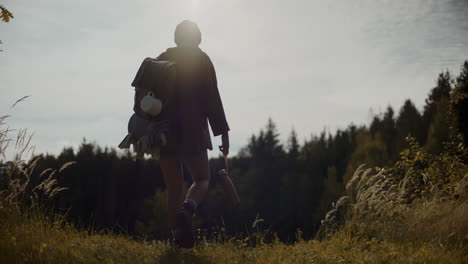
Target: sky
{"points": [[309, 65]]}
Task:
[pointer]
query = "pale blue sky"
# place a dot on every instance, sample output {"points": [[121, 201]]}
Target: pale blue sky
{"points": [[307, 64]]}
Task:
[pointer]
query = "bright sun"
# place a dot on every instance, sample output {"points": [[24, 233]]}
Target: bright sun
{"points": [[195, 7]]}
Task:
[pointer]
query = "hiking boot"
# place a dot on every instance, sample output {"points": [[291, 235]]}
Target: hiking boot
{"points": [[184, 236]]}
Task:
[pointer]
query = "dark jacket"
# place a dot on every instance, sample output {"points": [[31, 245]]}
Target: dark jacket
{"points": [[196, 102]]}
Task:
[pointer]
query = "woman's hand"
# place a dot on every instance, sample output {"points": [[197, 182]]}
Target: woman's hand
{"points": [[224, 144]]}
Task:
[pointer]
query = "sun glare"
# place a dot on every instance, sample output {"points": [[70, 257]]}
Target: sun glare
{"points": [[195, 7]]}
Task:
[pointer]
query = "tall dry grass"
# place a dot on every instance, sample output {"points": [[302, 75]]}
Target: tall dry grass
{"points": [[422, 198], [18, 189]]}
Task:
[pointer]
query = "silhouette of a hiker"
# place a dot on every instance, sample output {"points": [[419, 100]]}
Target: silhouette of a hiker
{"points": [[196, 102]]}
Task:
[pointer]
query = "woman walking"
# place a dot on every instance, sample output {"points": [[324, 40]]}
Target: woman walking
{"points": [[196, 103]]}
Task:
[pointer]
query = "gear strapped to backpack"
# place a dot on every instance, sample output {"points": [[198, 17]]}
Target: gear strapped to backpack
{"points": [[154, 85]]}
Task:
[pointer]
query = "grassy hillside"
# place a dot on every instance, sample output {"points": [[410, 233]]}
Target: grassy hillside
{"points": [[32, 238], [413, 212]]}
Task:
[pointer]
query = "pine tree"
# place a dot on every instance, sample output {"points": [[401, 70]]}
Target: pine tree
{"points": [[293, 145], [408, 123], [460, 102], [441, 90], [436, 121], [388, 132]]}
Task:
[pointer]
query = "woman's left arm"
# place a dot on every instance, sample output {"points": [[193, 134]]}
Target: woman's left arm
{"points": [[215, 109]]}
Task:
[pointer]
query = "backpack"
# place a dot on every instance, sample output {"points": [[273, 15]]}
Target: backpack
{"points": [[154, 83]]}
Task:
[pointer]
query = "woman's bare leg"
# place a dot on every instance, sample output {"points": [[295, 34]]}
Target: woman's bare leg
{"points": [[199, 169], [173, 178]]}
